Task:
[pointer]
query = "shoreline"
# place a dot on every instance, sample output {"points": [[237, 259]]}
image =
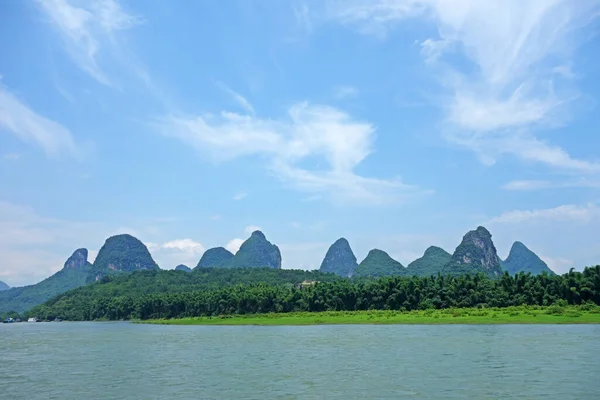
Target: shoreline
{"points": [[465, 316]]}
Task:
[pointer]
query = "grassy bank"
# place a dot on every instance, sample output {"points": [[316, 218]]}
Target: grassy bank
{"points": [[510, 315]]}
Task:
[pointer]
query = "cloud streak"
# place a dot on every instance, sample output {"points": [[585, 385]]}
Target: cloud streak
{"points": [[315, 149], [507, 60], [25, 124], [238, 98], [569, 212], [87, 29]]}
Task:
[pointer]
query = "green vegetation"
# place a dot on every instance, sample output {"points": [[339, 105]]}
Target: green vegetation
{"points": [[475, 254], [510, 315], [217, 257], [378, 263], [521, 259], [433, 261], [339, 259], [182, 267], [20, 299], [213, 292], [121, 254], [255, 252]]}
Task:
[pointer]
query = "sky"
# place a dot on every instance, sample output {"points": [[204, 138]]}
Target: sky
{"points": [[397, 124]]}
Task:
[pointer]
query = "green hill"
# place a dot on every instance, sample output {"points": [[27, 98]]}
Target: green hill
{"points": [[433, 261], [256, 252], [216, 257], [378, 263], [72, 275], [121, 254], [339, 259], [521, 259], [182, 267], [4, 286]]}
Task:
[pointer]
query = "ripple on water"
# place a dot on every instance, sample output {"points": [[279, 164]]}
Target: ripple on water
{"points": [[121, 360]]}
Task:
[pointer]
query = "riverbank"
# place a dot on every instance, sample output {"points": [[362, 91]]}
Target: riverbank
{"points": [[510, 315]]}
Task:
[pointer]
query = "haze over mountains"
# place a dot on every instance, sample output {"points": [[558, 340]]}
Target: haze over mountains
{"points": [[122, 254]]}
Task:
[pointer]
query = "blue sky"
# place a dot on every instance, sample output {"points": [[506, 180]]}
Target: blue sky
{"points": [[396, 124]]}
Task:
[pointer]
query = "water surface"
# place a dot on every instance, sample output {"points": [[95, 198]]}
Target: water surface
{"points": [[129, 361]]}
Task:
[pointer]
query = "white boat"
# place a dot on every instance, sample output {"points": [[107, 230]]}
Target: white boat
{"points": [[32, 319]]}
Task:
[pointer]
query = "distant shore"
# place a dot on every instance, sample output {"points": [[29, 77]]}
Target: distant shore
{"points": [[472, 316]]}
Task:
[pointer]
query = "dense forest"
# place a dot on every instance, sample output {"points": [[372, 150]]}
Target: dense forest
{"points": [[213, 292]]}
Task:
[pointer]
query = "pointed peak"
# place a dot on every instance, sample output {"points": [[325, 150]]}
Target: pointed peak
{"points": [[341, 242], [83, 252], [77, 260], [482, 231], [258, 234], [518, 245]]}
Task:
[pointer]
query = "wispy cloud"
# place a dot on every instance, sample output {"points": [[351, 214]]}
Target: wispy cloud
{"points": [[238, 98], [86, 28], [521, 51], [339, 141], [567, 212], [545, 184], [24, 123]]}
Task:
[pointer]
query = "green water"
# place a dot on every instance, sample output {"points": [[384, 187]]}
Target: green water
{"points": [[129, 361]]}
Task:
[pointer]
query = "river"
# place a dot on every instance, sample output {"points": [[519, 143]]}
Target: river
{"points": [[70, 360]]}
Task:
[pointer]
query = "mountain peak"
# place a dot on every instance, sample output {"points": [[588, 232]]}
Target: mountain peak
{"points": [[182, 267], [4, 286], [217, 257], [433, 251], [379, 263], [476, 253], [433, 261], [78, 260], [522, 259], [256, 251], [339, 259], [121, 254]]}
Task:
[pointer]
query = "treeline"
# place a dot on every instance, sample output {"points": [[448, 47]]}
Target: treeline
{"points": [[131, 298]]}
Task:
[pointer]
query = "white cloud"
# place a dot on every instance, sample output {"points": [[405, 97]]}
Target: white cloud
{"points": [[545, 184], [185, 245], [568, 212], [251, 228], [239, 196], [28, 126], [238, 98], [521, 50], [234, 245], [174, 252], [86, 27], [312, 132], [344, 92]]}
